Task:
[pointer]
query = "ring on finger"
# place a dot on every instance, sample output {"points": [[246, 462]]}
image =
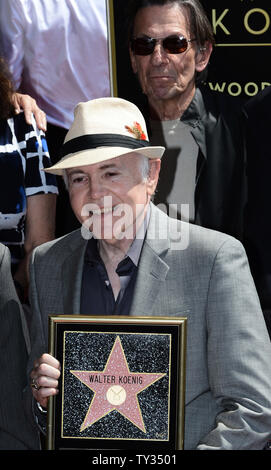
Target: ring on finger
{"points": [[34, 384]]}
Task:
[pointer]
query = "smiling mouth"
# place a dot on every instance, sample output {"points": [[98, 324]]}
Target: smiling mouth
{"points": [[104, 210]]}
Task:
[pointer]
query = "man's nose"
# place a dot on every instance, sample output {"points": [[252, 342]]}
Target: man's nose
{"points": [[159, 55], [96, 189]]}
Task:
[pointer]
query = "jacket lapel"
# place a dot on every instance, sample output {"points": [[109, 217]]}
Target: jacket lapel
{"points": [[194, 117], [151, 274], [72, 270], [152, 270]]}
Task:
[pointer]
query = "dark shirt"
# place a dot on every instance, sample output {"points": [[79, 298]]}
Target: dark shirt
{"points": [[97, 297]]}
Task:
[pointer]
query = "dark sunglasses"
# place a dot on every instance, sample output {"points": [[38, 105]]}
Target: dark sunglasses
{"points": [[172, 44]]}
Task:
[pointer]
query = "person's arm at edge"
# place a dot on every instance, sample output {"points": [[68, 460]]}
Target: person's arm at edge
{"points": [[239, 352]]}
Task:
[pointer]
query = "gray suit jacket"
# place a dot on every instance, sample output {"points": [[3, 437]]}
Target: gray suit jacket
{"points": [[228, 371], [15, 432]]}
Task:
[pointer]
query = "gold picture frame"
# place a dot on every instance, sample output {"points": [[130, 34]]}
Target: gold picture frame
{"points": [[112, 60]]}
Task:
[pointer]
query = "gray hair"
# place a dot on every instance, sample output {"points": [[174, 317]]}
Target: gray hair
{"points": [[144, 167]]}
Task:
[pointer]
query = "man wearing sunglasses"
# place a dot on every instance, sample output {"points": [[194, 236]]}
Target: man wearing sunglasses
{"points": [[171, 42]]}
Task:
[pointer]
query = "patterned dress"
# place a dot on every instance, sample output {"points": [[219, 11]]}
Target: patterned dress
{"points": [[23, 154]]}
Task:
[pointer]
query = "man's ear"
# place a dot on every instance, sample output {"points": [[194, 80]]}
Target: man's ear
{"points": [[154, 170], [203, 56]]}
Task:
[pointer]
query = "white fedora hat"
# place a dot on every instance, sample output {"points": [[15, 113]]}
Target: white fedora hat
{"points": [[102, 129]]}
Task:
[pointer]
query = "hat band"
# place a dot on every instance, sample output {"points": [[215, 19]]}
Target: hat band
{"points": [[92, 141]]}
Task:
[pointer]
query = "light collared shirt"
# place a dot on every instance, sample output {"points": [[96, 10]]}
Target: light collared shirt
{"points": [[57, 52]]}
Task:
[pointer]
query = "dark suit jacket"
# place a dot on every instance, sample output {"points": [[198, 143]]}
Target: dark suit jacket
{"points": [[258, 219], [16, 433], [217, 124]]}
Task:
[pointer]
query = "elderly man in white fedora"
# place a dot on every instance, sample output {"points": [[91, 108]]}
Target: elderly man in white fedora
{"points": [[133, 266]]}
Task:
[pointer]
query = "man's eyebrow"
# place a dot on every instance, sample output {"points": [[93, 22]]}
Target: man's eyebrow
{"points": [[74, 171], [108, 165], [105, 166]]}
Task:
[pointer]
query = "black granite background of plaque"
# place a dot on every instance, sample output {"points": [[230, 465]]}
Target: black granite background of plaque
{"points": [[90, 352]]}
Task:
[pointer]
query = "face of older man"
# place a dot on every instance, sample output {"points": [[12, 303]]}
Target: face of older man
{"points": [[164, 76], [110, 196]]}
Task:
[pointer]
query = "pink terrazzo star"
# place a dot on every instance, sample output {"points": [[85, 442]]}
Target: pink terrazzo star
{"points": [[115, 388]]}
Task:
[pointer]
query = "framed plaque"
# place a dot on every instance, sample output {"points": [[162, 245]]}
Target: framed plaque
{"points": [[122, 383]]}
